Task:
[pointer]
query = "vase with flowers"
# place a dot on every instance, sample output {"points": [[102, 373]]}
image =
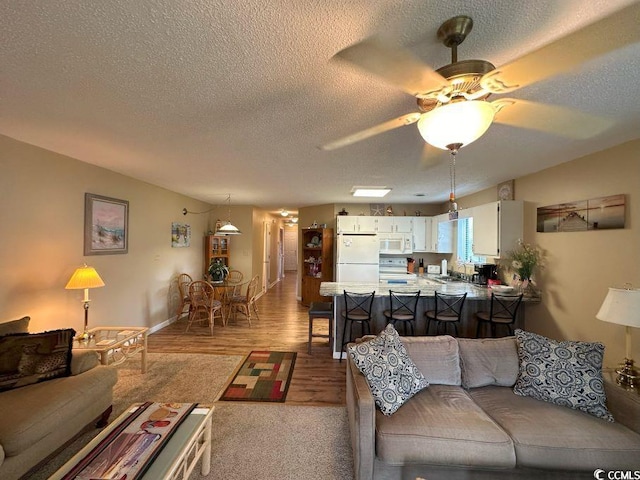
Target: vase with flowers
{"points": [[523, 260]]}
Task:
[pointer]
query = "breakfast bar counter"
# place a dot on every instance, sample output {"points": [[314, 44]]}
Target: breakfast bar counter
{"points": [[478, 299]]}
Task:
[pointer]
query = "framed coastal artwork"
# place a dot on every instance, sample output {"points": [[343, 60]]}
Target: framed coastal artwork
{"points": [[180, 235], [600, 213], [106, 225]]}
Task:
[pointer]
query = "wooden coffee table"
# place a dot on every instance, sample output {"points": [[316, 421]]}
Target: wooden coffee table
{"points": [[177, 459], [116, 344]]}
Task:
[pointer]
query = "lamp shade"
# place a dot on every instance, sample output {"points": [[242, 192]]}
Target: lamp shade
{"points": [[228, 229], [461, 122], [84, 277], [621, 306]]}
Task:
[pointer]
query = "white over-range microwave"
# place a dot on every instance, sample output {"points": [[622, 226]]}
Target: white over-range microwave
{"points": [[395, 243]]}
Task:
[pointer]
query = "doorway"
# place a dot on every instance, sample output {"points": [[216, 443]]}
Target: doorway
{"points": [[290, 249]]}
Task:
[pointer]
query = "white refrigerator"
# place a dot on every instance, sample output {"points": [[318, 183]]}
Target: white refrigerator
{"points": [[357, 258]]}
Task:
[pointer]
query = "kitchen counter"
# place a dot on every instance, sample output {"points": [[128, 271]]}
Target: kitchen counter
{"points": [[478, 299], [427, 284]]}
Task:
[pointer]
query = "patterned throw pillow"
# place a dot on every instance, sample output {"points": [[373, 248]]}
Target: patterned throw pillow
{"points": [[565, 373], [391, 374]]}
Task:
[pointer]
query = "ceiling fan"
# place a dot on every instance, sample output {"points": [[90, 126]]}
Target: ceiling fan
{"points": [[452, 100]]}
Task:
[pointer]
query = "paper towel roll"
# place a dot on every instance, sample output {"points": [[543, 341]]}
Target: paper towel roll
{"points": [[443, 267]]}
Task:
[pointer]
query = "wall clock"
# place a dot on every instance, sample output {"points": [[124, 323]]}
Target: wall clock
{"points": [[505, 190]]}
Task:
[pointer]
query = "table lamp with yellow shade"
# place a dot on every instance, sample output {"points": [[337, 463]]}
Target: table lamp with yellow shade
{"points": [[85, 278]]}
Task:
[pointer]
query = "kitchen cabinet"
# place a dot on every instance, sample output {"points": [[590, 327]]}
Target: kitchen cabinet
{"points": [[317, 258], [497, 226], [216, 247], [356, 224], [394, 224], [441, 240], [421, 234]]}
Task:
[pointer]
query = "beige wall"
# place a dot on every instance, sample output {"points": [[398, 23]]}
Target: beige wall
{"points": [[580, 266], [42, 243]]}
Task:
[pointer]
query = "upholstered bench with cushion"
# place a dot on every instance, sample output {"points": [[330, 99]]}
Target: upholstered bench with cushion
{"points": [[468, 423], [44, 403]]}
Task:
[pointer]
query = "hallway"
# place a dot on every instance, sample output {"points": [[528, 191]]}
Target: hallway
{"points": [[283, 325]]}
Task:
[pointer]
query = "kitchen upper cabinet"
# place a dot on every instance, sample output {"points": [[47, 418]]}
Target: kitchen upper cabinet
{"points": [[421, 234], [497, 226], [356, 224], [394, 224], [441, 239]]}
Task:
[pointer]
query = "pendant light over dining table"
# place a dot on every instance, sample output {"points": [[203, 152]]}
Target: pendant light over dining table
{"points": [[228, 228]]}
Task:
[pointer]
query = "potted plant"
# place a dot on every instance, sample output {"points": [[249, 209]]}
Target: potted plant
{"points": [[218, 270]]}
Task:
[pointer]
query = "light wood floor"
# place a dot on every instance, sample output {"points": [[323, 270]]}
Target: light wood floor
{"points": [[283, 325]]}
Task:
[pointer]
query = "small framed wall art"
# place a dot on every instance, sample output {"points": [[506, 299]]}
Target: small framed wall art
{"points": [[180, 235], [505, 190], [106, 225]]}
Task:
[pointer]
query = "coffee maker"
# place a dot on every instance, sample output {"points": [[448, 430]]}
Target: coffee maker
{"points": [[485, 272]]}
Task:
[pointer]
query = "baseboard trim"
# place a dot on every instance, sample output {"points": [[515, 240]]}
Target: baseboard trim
{"points": [[161, 325]]}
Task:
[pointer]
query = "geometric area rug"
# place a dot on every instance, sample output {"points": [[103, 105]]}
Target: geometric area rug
{"points": [[264, 376]]}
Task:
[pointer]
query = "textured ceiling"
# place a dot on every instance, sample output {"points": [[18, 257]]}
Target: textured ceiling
{"points": [[206, 97]]}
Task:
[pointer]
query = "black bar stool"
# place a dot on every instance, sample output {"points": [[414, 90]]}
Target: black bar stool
{"points": [[448, 311], [402, 308], [503, 311], [320, 310], [357, 310]]}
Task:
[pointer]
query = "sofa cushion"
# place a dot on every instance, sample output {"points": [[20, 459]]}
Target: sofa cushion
{"points": [[553, 437], [392, 377], [488, 361], [27, 358], [565, 373], [442, 425], [438, 358], [40, 409], [20, 325]]}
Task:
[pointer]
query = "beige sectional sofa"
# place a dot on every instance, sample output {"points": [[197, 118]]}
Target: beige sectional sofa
{"points": [[38, 419], [469, 424]]}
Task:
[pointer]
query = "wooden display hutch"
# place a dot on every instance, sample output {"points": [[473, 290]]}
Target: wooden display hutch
{"points": [[317, 262], [215, 247]]}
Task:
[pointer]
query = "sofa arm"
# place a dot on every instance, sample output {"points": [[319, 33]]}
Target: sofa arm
{"points": [[362, 422], [83, 360], [623, 404]]}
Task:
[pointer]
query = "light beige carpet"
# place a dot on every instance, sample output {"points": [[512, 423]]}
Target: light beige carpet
{"points": [[250, 440]]}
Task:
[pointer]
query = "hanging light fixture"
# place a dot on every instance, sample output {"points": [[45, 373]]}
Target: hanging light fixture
{"points": [[453, 204], [228, 228], [457, 123]]}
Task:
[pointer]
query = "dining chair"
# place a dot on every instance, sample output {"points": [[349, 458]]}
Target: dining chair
{"points": [[234, 277], [503, 311], [184, 280], [247, 302], [202, 297], [448, 311], [402, 308], [357, 309]]}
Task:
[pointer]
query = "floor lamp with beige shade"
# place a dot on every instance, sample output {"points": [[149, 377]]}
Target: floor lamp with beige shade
{"points": [[85, 278], [622, 306]]}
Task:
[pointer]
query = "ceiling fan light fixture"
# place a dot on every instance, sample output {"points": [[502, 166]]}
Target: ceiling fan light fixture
{"points": [[461, 122]]}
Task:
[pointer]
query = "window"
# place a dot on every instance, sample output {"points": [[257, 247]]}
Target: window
{"points": [[465, 240], [464, 250]]}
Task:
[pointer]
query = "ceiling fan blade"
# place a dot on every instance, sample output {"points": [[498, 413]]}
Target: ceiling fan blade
{"points": [[397, 66], [407, 119], [549, 118], [431, 156], [605, 35]]}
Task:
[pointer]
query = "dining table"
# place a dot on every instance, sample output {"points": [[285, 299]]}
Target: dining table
{"points": [[225, 290]]}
